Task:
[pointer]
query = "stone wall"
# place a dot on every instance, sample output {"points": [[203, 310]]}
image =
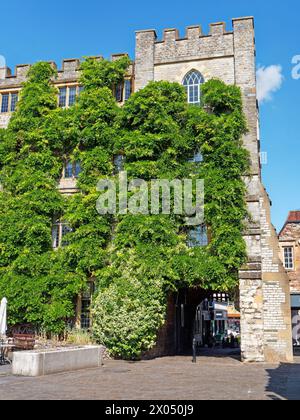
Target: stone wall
{"points": [[4, 120], [230, 56], [276, 292]]}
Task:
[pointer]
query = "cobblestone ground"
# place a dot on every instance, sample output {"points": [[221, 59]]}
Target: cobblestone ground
{"points": [[173, 378]]}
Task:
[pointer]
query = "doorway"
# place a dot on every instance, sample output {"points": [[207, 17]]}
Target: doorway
{"points": [[202, 315], [296, 328]]}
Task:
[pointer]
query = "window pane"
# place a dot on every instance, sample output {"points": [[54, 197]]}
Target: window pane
{"points": [[59, 231], [85, 314], [72, 95], [65, 230], [197, 236], [192, 83], [119, 92], [288, 258], [80, 89], [55, 236], [77, 169], [190, 95], [197, 158], [119, 161], [196, 94], [69, 170], [5, 100], [127, 89], [62, 97], [13, 103]]}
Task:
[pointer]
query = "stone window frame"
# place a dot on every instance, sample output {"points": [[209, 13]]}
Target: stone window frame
{"points": [[121, 91], [188, 86], [119, 161], [292, 247], [86, 304], [68, 87], [197, 157], [58, 233], [197, 236], [75, 169], [10, 94]]}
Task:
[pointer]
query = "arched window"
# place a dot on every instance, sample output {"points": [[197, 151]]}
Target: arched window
{"points": [[192, 83]]}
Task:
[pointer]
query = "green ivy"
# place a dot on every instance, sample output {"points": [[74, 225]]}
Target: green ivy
{"points": [[136, 260], [149, 257], [40, 286]]}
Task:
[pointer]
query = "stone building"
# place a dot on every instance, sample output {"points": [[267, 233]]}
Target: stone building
{"points": [[289, 241], [192, 60]]}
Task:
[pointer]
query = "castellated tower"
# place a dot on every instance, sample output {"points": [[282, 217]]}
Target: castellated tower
{"points": [[230, 56]]}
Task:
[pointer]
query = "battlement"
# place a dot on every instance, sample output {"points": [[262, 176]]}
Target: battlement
{"points": [[20, 71], [195, 45], [69, 71], [195, 31]]}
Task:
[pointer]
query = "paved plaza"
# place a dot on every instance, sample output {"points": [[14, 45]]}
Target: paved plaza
{"points": [[170, 378]]}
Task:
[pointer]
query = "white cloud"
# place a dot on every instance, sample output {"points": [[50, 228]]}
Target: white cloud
{"points": [[269, 81], [2, 61]]}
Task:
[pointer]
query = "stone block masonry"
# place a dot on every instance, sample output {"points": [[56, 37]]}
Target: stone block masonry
{"points": [[276, 291], [230, 56], [35, 363]]}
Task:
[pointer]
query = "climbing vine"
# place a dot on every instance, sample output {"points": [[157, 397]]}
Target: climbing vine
{"points": [[149, 256], [135, 260]]}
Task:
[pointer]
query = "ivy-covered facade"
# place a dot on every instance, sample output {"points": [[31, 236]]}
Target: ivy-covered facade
{"points": [[188, 110]]}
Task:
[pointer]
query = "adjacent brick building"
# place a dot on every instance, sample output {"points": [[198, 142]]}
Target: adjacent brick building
{"points": [[289, 241], [191, 60]]}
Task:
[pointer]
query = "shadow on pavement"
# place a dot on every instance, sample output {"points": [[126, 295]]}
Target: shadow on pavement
{"points": [[220, 353], [284, 381]]}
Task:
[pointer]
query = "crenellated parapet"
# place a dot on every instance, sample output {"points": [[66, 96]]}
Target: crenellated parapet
{"points": [[195, 45], [68, 77], [173, 48], [69, 72], [8, 79]]}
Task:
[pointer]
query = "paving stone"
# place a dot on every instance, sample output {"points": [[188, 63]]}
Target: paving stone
{"points": [[170, 378]]}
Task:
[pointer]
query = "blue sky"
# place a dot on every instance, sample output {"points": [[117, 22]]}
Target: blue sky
{"points": [[53, 30]]}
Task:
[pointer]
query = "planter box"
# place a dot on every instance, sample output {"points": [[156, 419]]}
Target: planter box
{"points": [[40, 363]]}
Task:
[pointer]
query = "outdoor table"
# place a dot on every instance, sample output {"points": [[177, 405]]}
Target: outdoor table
{"points": [[3, 348]]}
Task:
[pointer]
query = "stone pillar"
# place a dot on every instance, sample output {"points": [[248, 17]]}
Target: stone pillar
{"points": [[276, 292], [144, 58], [264, 287], [22, 71], [4, 72], [251, 283], [245, 78], [251, 303]]}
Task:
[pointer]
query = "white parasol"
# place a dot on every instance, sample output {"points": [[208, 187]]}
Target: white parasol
{"points": [[3, 317]]}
